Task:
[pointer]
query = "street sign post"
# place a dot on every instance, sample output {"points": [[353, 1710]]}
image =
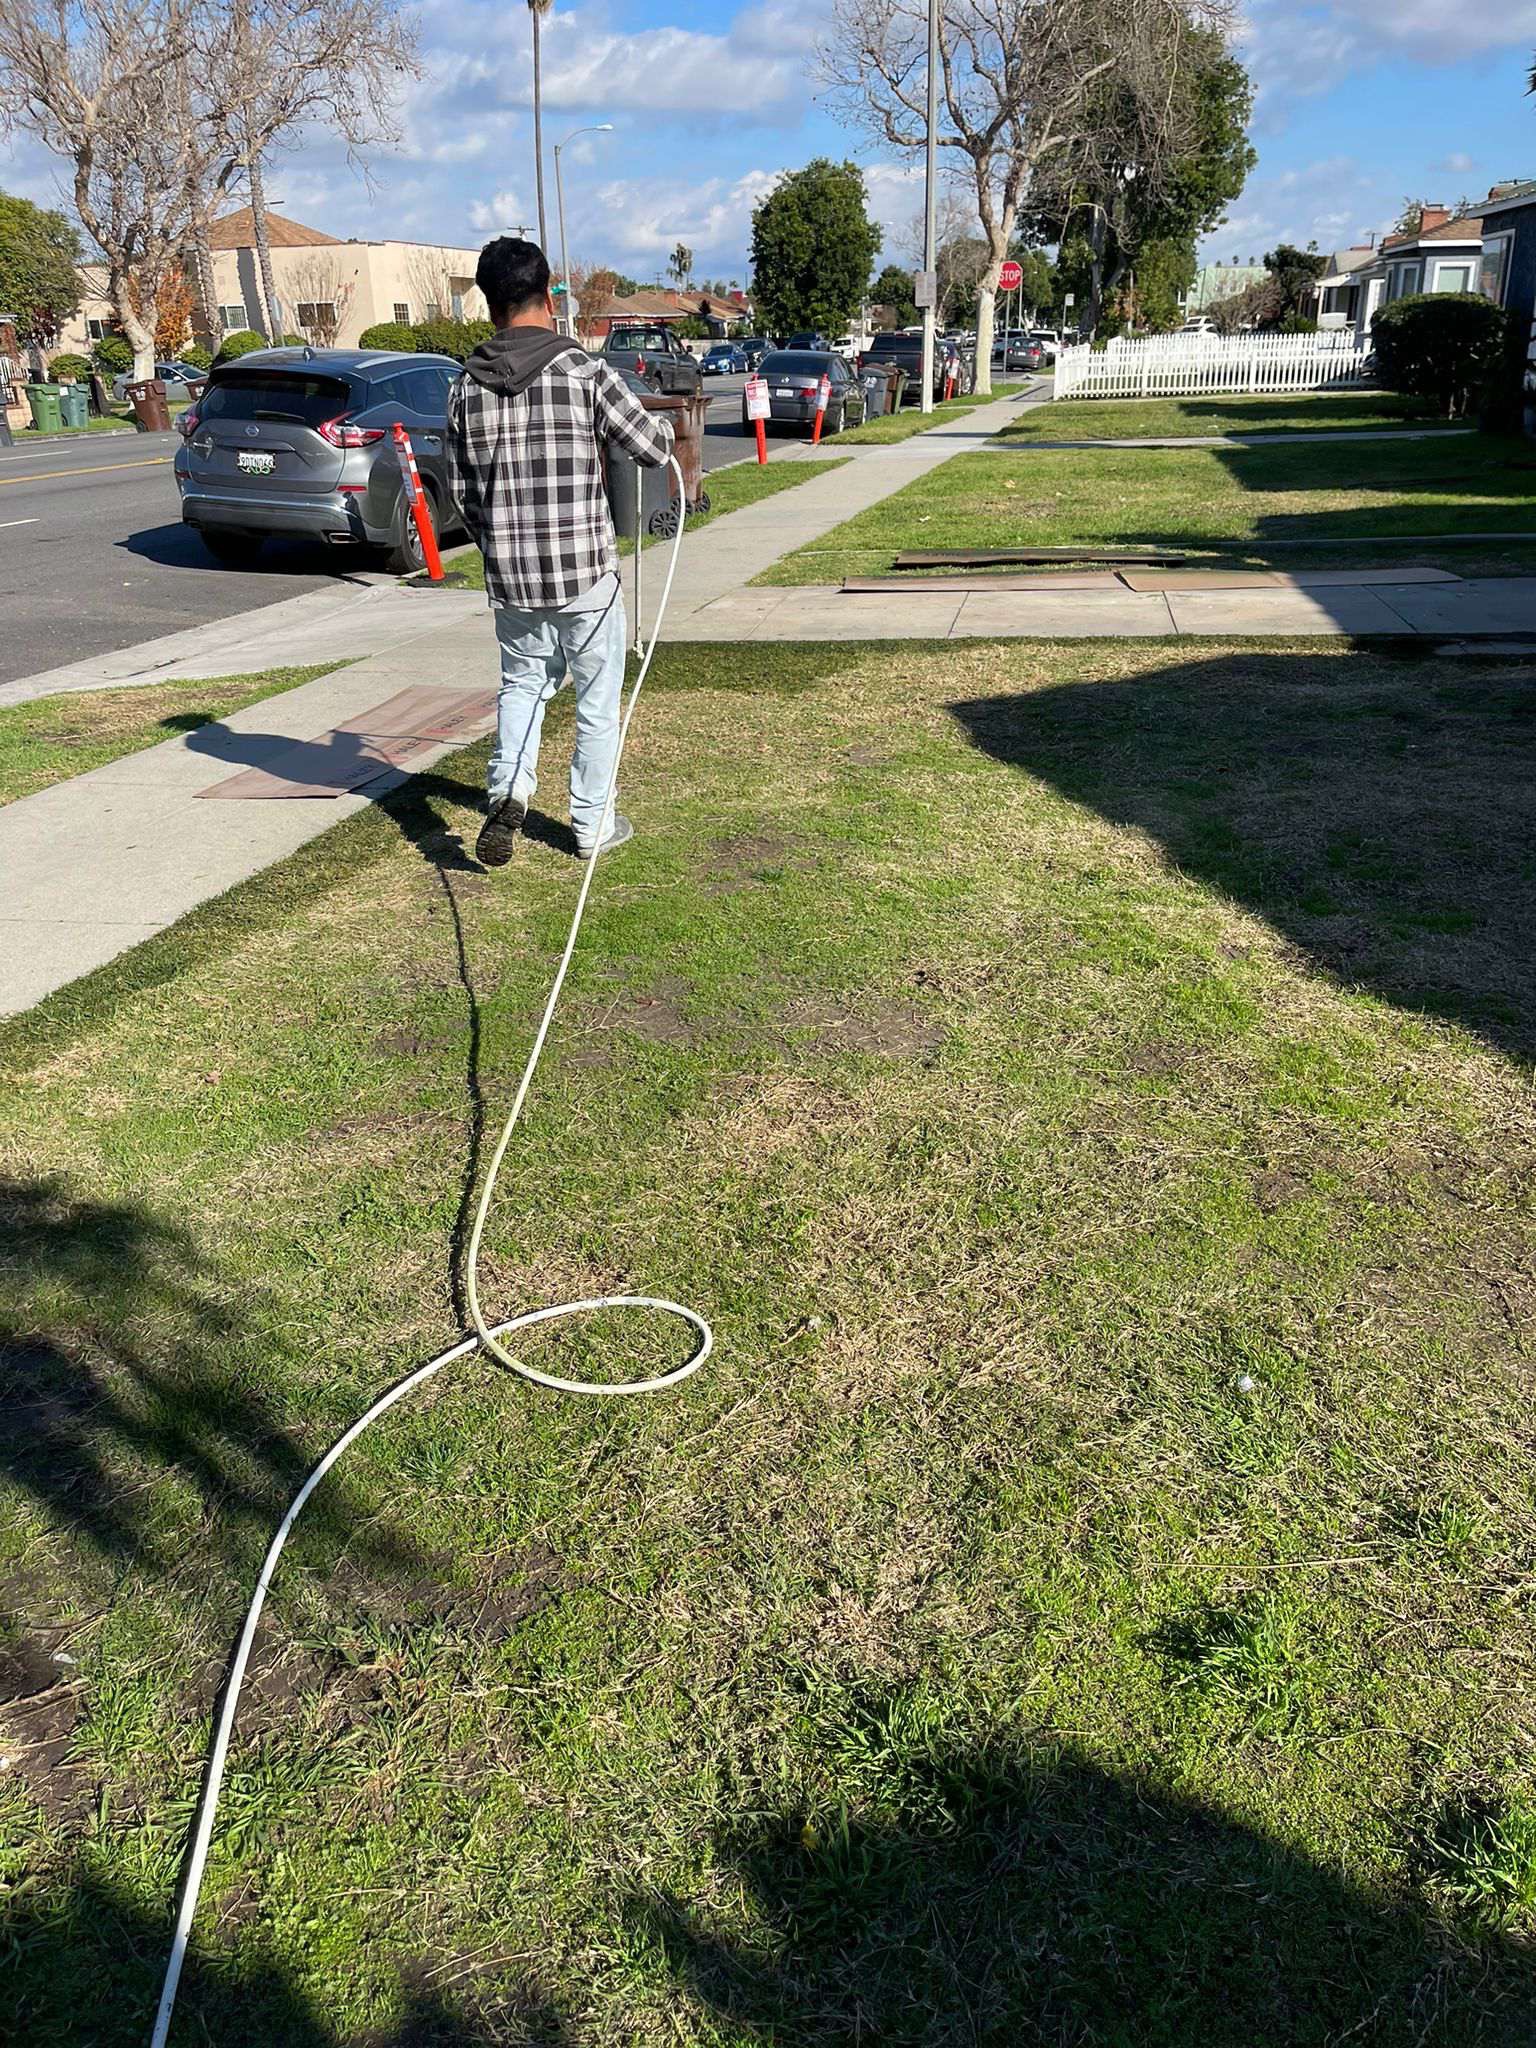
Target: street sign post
{"points": [[759, 408], [1010, 277]]}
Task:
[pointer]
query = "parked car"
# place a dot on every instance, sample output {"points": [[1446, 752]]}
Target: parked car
{"points": [[907, 349], [655, 352], [725, 359], [283, 441], [817, 343], [754, 348], [1023, 352], [1049, 342], [793, 377], [180, 379]]}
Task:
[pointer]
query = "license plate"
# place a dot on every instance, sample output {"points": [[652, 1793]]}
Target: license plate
{"points": [[785, 391], [256, 465]]}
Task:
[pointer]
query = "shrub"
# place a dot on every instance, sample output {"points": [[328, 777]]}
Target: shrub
{"points": [[1444, 346], [295, 341], [112, 355], [1297, 323], [389, 334], [196, 357], [456, 338], [69, 369], [238, 344]]}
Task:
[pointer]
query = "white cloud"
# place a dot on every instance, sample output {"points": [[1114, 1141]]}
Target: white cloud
{"points": [[1456, 165], [1334, 202], [1294, 50]]}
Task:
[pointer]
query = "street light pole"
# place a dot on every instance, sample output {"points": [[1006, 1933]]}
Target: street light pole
{"points": [[930, 251], [600, 128]]}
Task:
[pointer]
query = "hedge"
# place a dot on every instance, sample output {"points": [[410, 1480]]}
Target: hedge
{"points": [[196, 357], [73, 369], [394, 335], [238, 344], [1444, 346], [112, 355], [456, 338]]}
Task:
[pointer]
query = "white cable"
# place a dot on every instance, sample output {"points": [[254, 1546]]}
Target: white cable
{"points": [[202, 1832]]}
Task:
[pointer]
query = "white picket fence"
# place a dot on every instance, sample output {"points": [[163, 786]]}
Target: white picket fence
{"points": [[1184, 365]]}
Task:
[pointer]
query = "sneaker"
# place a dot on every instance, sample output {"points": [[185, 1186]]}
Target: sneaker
{"points": [[618, 832], [498, 835]]}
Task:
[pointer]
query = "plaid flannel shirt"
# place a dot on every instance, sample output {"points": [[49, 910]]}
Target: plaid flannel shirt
{"points": [[527, 474]]}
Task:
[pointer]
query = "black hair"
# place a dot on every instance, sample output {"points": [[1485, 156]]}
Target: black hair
{"points": [[511, 274]]}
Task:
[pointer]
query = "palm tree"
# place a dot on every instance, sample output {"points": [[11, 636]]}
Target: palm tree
{"points": [[680, 264], [538, 9]]}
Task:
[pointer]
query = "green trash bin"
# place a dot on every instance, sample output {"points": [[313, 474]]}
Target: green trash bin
{"points": [[44, 401], [74, 404]]}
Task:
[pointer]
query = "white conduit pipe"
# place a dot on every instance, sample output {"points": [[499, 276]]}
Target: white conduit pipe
{"points": [[488, 1335]]}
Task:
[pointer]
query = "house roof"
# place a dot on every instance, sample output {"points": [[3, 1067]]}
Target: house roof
{"points": [[238, 231], [665, 305], [1505, 198]]}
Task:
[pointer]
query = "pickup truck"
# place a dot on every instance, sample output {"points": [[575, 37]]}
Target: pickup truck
{"points": [[657, 355]]}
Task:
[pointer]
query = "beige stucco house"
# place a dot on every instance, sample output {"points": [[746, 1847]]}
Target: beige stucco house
{"points": [[330, 290]]}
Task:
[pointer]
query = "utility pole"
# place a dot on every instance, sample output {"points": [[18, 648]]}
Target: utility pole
{"points": [[930, 209]]}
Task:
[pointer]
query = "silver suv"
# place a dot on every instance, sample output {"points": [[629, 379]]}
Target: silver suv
{"points": [[301, 441]]}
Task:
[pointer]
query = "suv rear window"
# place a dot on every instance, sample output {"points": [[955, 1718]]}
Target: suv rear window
{"points": [[636, 337], [275, 394], [894, 344], [793, 363]]}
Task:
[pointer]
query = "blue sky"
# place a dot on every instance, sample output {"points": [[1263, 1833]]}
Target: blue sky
{"points": [[1360, 105]]}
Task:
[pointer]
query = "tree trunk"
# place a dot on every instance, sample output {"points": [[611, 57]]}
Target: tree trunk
{"points": [[538, 132], [1097, 230], [999, 234], [138, 337], [258, 191], [206, 325]]}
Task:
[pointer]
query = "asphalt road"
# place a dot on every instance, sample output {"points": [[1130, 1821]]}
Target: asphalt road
{"points": [[94, 557]]}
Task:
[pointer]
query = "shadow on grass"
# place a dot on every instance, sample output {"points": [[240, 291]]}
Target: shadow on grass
{"points": [[121, 1368], [1378, 812], [84, 1968], [1006, 1898]]}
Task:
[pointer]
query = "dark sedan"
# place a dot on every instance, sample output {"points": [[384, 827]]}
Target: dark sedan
{"points": [[793, 377]]}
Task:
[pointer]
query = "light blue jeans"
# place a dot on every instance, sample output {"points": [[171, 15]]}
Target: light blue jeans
{"points": [[541, 651]]}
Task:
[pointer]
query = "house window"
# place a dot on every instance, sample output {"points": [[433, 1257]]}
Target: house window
{"points": [[319, 313], [458, 305], [1453, 277], [232, 318], [432, 311], [1495, 268], [403, 311], [97, 329], [1405, 279]]}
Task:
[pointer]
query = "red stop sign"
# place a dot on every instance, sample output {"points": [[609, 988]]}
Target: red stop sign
{"points": [[1010, 277]]}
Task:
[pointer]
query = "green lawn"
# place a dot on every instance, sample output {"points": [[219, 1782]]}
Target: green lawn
{"points": [[729, 489], [1108, 419], [900, 426], [1086, 1598], [1282, 504], [53, 738]]}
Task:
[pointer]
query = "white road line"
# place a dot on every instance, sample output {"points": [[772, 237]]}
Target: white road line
{"points": [[17, 522]]}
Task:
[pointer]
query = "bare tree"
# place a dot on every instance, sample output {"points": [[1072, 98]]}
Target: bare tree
{"points": [[88, 79], [162, 107], [324, 292], [960, 254], [1020, 82], [299, 64]]}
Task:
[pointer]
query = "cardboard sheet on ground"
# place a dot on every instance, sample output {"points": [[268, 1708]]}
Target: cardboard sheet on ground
{"points": [[390, 736]]}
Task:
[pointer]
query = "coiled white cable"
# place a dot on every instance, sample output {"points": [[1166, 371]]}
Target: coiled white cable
{"points": [[487, 1335]]}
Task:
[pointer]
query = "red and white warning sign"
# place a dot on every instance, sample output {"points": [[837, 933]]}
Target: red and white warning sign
{"points": [[759, 406], [1010, 277]]}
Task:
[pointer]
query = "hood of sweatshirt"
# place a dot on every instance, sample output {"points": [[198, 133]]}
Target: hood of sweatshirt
{"points": [[514, 356]]}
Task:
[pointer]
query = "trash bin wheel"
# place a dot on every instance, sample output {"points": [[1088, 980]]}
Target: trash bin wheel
{"points": [[662, 523], [699, 505]]}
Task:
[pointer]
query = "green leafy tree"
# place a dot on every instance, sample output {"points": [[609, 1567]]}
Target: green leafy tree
{"points": [[388, 334], [1444, 346], [240, 343], [1292, 282], [893, 288], [113, 354], [1037, 292], [813, 247], [39, 274], [1136, 182]]}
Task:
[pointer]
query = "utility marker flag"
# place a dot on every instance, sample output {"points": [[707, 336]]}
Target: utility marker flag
{"points": [[759, 408], [421, 512]]}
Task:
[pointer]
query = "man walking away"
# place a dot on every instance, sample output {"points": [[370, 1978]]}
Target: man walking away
{"points": [[525, 424]]}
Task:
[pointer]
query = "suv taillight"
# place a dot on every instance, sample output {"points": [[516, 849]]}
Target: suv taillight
{"points": [[186, 423], [342, 434]]}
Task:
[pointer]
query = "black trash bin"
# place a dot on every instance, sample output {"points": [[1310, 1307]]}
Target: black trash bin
{"points": [[646, 498], [877, 385]]}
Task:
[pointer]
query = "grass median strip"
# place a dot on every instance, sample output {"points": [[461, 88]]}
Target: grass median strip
{"points": [[1110, 419], [900, 426], [1089, 1091], [1227, 503], [50, 739], [730, 489]]}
